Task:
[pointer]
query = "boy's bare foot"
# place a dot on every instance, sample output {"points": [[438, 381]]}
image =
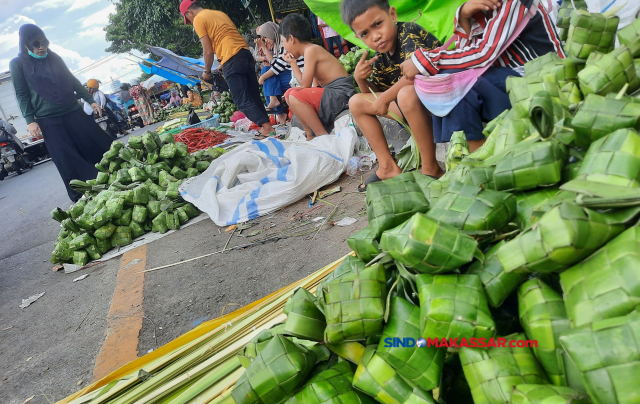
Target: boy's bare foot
{"points": [[273, 103], [384, 173], [310, 137], [437, 173]]}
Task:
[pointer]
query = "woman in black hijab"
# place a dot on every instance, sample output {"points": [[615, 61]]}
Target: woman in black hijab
{"points": [[46, 92]]}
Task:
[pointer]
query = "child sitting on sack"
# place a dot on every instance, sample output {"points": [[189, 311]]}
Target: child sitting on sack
{"points": [[376, 24], [315, 107]]}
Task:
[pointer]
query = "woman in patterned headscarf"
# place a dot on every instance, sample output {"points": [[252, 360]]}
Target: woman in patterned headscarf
{"points": [[143, 103]]}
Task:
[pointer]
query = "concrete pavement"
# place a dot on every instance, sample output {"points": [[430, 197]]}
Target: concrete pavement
{"points": [[71, 335]]}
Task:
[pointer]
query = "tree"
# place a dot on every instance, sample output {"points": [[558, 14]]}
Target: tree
{"points": [[137, 23]]}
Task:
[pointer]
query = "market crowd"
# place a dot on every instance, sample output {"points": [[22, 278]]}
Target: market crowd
{"points": [[306, 78]]}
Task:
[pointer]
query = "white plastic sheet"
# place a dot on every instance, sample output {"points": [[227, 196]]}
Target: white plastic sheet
{"points": [[260, 177]]}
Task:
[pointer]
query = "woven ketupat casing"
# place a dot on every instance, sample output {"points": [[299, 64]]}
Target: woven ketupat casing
{"points": [[562, 71], [530, 166], [613, 159], [497, 283], [564, 236], [630, 36], [607, 284], [331, 386], [510, 132], [521, 89], [609, 73], [547, 394], [607, 352], [533, 67], [278, 370], [393, 201], [422, 366], [364, 244], [492, 373], [527, 201], [564, 13], [543, 318], [458, 149], [599, 116], [428, 246], [348, 265], [468, 207], [354, 305], [304, 319], [377, 378], [454, 306], [590, 32]]}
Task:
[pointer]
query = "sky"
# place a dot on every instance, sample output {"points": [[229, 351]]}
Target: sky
{"points": [[75, 29]]}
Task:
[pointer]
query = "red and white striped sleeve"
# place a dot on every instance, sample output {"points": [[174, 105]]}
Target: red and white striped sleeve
{"points": [[478, 52]]}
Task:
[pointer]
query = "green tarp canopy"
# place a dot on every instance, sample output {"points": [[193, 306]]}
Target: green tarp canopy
{"points": [[435, 15]]}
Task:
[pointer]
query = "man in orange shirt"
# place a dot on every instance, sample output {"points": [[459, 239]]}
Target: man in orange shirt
{"points": [[219, 36]]}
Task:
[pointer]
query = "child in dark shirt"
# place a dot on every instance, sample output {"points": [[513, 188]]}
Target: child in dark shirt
{"points": [[376, 24]]}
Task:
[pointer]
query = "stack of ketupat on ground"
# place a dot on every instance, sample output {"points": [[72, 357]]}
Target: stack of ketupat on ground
{"points": [[534, 236], [136, 191], [512, 242]]}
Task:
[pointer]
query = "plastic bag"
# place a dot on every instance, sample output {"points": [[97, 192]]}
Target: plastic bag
{"points": [[192, 118], [243, 124]]}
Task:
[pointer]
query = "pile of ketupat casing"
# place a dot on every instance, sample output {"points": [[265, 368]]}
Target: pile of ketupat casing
{"points": [[532, 237], [135, 191]]}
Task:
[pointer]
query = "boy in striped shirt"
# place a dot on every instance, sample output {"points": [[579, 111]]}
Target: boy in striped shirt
{"points": [[482, 27]]}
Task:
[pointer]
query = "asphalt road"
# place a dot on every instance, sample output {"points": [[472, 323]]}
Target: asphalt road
{"points": [[49, 349]]}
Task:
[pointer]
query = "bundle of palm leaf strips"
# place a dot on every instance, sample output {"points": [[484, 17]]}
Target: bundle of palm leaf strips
{"points": [[533, 237]]}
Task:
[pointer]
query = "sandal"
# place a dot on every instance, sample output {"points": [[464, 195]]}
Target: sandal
{"points": [[372, 178]]}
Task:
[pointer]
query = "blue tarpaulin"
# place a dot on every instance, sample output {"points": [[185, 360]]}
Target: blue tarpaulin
{"points": [[181, 64], [167, 74]]}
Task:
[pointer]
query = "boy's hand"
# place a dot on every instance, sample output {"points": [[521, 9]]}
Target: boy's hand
{"points": [[473, 6], [261, 80], [381, 106], [364, 68], [289, 58], [409, 70]]}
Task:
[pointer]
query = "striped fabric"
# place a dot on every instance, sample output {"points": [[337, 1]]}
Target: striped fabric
{"points": [[278, 65], [489, 33]]}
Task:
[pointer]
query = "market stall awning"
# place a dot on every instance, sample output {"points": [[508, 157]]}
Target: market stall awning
{"points": [[181, 64], [151, 81], [168, 74]]}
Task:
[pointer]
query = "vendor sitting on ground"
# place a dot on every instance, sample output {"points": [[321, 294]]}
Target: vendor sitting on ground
{"points": [[193, 98], [480, 25], [376, 24], [316, 108]]}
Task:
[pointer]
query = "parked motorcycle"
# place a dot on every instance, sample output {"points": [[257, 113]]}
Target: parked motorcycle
{"points": [[12, 156], [107, 124], [134, 116]]}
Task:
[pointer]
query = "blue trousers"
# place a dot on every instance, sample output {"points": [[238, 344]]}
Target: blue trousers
{"points": [[239, 72], [334, 40], [485, 101], [276, 86]]}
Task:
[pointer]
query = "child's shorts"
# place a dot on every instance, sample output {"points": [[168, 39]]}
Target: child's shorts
{"points": [[310, 96]]}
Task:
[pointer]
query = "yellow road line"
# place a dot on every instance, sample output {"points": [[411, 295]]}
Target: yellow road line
{"points": [[125, 316]]}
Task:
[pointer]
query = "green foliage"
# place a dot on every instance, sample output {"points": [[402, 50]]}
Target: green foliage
{"points": [[137, 23]]}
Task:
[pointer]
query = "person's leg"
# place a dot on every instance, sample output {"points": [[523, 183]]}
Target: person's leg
{"points": [[305, 104], [245, 90], [361, 109], [420, 122], [337, 40]]}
